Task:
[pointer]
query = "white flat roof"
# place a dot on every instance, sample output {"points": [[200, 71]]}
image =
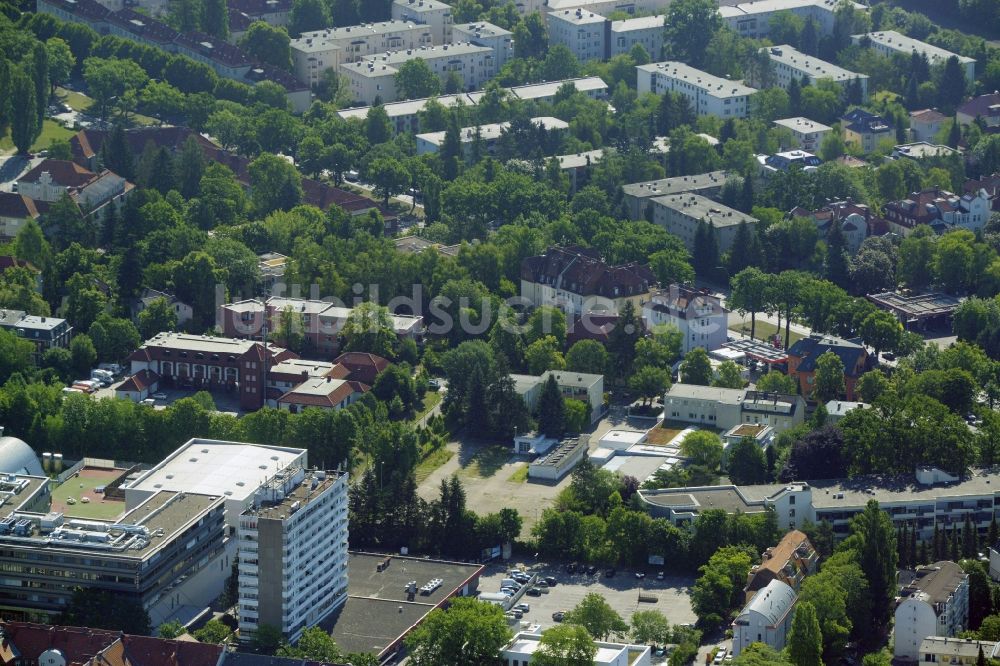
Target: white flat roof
{"points": [[811, 65], [483, 29], [549, 89], [802, 125], [211, 467], [577, 16], [640, 23], [714, 85], [491, 131], [626, 436], [421, 5], [768, 6], [899, 42]]}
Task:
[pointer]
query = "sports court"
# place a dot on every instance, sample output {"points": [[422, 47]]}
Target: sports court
{"points": [[85, 502]]}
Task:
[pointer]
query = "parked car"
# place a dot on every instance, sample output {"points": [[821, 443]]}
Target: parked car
{"points": [[720, 656], [160, 396], [660, 575], [352, 176], [558, 616], [534, 592], [516, 613], [571, 567], [591, 570], [434, 384], [639, 575], [551, 580], [524, 608]]}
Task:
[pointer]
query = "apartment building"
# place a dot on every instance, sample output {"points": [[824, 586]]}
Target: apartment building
{"points": [[697, 314], [578, 281], [293, 552], [433, 13], [645, 31], [956, 651], [522, 647], [681, 214], [803, 354], [790, 63], [708, 95], [316, 51], [865, 130], [603, 7], [487, 135], [934, 206], [752, 19], [482, 33], [44, 332], [790, 561], [936, 603], [985, 107], [926, 123], [374, 77], [638, 195], [587, 388], [584, 33], [890, 42], [806, 134], [47, 182]]}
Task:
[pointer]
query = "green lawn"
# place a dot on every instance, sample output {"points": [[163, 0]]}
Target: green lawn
{"points": [[97, 509], [74, 100], [520, 475], [431, 400], [764, 330], [51, 130], [431, 462]]}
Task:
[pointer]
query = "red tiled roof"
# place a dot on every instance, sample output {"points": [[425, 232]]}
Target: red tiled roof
{"points": [[579, 271], [928, 116], [63, 172], [149, 651], [7, 262], [17, 206], [78, 644], [362, 366], [259, 7], [140, 381], [335, 397]]}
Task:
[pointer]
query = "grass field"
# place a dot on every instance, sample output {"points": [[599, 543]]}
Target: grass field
{"points": [[431, 462], [50, 130], [662, 436], [74, 100], [82, 485], [520, 475], [431, 400], [764, 330]]}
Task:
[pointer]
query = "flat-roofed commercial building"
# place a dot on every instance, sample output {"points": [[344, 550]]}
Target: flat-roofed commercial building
{"points": [[375, 76], [293, 552], [709, 95], [680, 214], [316, 51], [789, 63], [889, 42]]}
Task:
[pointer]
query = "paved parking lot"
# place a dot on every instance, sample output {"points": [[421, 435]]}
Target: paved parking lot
{"points": [[621, 592]]}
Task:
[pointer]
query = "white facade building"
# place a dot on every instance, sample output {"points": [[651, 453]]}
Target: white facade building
{"points": [[482, 33], [936, 603], [888, 42], [680, 214], [646, 31], [767, 618], [790, 63], [583, 32], [806, 134], [752, 19], [431, 142], [319, 50], [434, 13], [521, 648], [709, 95], [698, 315], [293, 552], [604, 7]]}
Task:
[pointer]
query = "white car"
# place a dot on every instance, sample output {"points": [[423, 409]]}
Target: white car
{"points": [[160, 396]]}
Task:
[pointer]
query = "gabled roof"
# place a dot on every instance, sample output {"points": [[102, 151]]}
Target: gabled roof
{"points": [[140, 381], [579, 270], [983, 105], [928, 116], [78, 644], [63, 172], [322, 392], [811, 348], [17, 206], [362, 366]]}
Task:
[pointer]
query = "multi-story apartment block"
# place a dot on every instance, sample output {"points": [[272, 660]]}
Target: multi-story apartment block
{"points": [[44, 332], [708, 95], [806, 134], [790, 63], [316, 51], [680, 214], [487, 135], [638, 195], [936, 603], [603, 7], [375, 77], [697, 314], [577, 281], [584, 33], [889, 42], [433, 13], [645, 31], [293, 552], [482, 33], [752, 19]]}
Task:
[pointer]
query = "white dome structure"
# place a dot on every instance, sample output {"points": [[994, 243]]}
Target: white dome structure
{"points": [[16, 457]]}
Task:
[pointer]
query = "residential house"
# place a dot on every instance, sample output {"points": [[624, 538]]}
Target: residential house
{"points": [[362, 366], [323, 393], [939, 208], [44, 332], [724, 408], [838, 409], [989, 184], [272, 267], [957, 651], [767, 618], [762, 435], [587, 388], [682, 214], [138, 386], [790, 561], [807, 134], [865, 130], [926, 123], [890, 42], [181, 310], [985, 107], [697, 314], [856, 221], [803, 354], [577, 280], [521, 648], [771, 164], [90, 191], [921, 150], [936, 603], [709, 95], [15, 210]]}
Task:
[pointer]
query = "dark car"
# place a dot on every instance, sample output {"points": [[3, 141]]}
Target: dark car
{"points": [[591, 570], [571, 567], [558, 616], [534, 592], [551, 580]]}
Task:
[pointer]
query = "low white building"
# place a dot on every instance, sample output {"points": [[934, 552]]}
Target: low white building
{"points": [[936, 603], [724, 408], [790, 63], [838, 409], [806, 134], [767, 618], [433, 13], [680, 214], [890, 42], [920, 150], [521, 648], [697, 314], [708, 95], [482, 33], [374, 77], [559, 460], [316, 51], [956, 651], [488, 135], [752, 19]]}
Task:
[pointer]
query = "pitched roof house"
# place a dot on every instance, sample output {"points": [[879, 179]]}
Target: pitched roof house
{"points": [[865, 129], [986, 107], [790, 561], [15, 210], [940, 209], [803, 354]]}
